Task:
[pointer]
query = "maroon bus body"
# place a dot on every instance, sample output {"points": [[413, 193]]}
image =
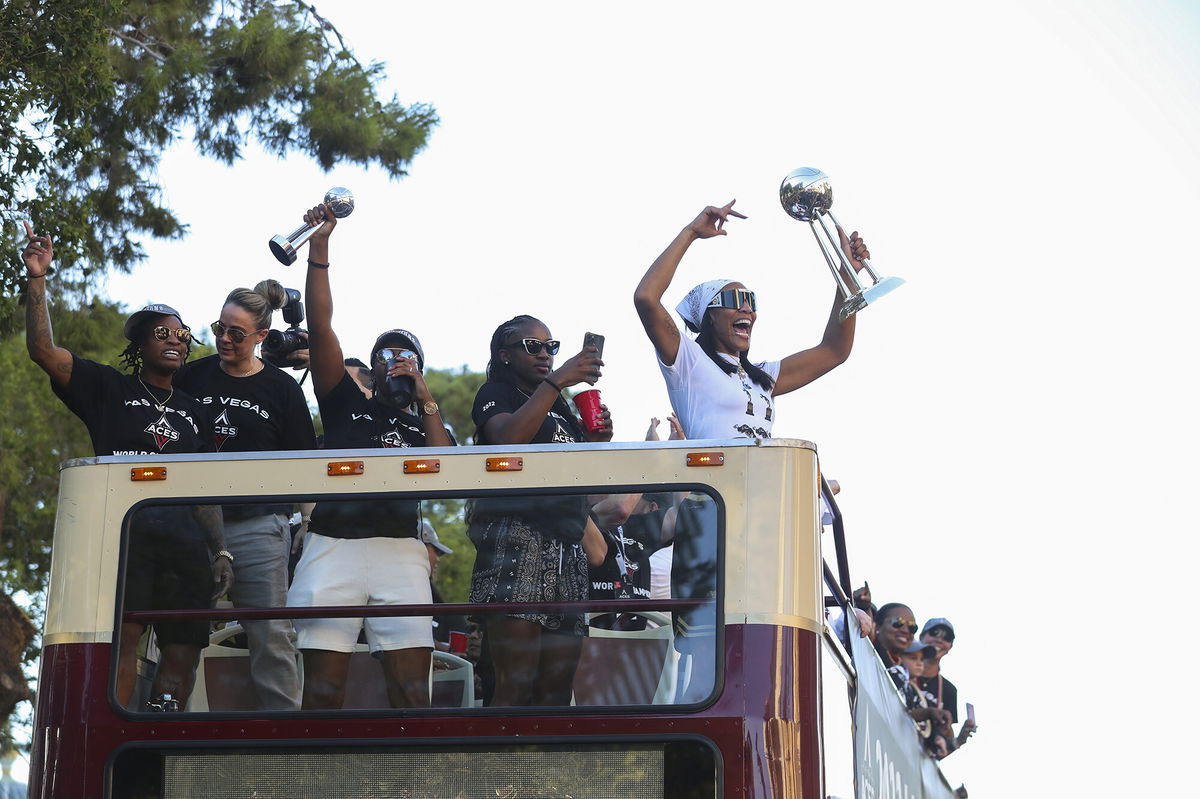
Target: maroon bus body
{"points": [[765, 721]]}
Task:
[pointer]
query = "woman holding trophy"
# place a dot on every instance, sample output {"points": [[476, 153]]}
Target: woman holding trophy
{"points": [[715, 390], [364, 552]]}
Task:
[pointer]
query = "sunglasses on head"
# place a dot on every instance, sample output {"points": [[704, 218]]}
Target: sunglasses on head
{"points": [[901, 624], [162, 332], [388, 354], [735, 299], [236, 335], [533, 346], [942, 633]]}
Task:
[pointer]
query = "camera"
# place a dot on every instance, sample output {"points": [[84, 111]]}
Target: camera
{"points": [[279, 345]]}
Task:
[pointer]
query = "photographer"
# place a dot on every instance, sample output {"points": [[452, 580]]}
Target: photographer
{"points": [[361, 552], [256, 407]]}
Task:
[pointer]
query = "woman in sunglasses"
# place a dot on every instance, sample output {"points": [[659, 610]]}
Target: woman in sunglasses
{"points": [[532, 549], [177, 557], [256, 407], [364, 552], [716, 391]]}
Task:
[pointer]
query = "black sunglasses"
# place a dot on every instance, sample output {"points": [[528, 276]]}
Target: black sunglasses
{"points": [[942, 633], [236, 335], [533, 346], [735, 299], [162, 332]]}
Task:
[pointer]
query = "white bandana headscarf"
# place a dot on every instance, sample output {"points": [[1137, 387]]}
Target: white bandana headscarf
{"points": [[696, 302]]}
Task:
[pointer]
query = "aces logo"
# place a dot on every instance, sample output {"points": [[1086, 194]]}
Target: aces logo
{"points": [[392, 439], [223, 430], [162, 432]]}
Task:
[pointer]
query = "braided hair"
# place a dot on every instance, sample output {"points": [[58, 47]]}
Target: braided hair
{"points": [[131, 356], [498, 371], [707, 342]]}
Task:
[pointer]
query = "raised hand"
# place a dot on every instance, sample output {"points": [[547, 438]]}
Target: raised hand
{"points": [[854, 248], [321, 215], [38, 253], [711, 221], [583, 368]]}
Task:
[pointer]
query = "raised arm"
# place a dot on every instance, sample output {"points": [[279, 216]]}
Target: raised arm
{"points": [[39, 336], [647, 299], [801, 368], [324, 349]]}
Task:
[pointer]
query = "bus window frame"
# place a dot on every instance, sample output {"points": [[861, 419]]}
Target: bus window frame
{"points": [[480, 493]]}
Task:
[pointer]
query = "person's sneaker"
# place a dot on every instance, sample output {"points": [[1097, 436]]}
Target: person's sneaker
{"points": [[164, 703]]}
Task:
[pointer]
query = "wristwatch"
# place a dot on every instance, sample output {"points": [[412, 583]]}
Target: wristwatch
{"points": [[429, 408]]}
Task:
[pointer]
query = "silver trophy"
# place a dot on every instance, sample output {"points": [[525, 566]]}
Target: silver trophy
{"points": [[340, 202], [806, 195]]}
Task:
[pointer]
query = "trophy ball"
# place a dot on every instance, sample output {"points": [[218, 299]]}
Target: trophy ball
{"points": [[805, 193], [340, 201]]}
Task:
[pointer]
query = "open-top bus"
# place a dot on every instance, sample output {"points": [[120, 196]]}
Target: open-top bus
{"points": [[762, 701]]}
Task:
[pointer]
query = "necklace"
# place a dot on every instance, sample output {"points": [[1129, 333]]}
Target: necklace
{"points": [[244, 372], [160, 406]]}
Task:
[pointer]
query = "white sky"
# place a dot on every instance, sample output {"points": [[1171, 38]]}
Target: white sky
{"points": [[1014, 430]]}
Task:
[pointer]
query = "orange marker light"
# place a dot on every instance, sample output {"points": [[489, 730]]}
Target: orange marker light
{"points": [[344, 468], [505, 464], [139, 473], [706, 459], [427, 466]]}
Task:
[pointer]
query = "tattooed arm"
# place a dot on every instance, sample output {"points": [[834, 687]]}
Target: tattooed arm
{"points": [[212, 522], [39, 337]]}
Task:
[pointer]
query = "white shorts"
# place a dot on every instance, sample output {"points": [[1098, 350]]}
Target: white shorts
{"points": [[362, 571]]}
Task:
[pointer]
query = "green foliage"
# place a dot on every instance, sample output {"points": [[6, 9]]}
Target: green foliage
{"points": [[94, 90]]}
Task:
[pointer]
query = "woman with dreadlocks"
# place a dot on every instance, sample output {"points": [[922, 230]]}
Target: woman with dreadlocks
{"points": [[716, 391], [177, 559], [533, 549]]}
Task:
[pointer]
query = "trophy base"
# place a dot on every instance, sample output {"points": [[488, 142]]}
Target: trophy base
{"points": [[865, 297], [283, 250]]}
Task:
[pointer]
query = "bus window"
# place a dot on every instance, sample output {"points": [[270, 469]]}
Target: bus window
{"points": [[550, 601]]}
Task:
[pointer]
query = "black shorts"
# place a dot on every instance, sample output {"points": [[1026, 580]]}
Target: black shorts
{"points": [[169, 568]]}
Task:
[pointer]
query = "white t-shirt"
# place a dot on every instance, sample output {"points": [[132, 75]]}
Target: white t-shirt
{"points": [[712, 404]]}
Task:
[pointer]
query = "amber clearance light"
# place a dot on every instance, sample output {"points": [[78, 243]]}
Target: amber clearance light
{"points": [[344, 468], [706, 459], [427, 466], [505, 464], [140, 473]]}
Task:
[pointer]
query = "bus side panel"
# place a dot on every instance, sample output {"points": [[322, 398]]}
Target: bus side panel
{"points": [[72, 697], [779, 676]]}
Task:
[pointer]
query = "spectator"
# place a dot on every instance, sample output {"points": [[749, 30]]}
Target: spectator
{"points": [[932, 722], [257, 408], [716, 391], [364, 552], [535, 548], [939, 633], [895, 627], [177, 556]]}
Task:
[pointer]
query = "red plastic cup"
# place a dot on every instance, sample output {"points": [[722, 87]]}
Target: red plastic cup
{"points": [[588, 403], [458, 642]]}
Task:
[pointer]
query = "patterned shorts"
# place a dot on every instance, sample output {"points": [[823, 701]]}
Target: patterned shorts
{"points": [[516, 563]]}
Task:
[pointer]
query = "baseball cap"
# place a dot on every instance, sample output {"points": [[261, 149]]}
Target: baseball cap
{"points": [[403, 337], [430, 536], [938, 622], [153, 309], [916, 646]]}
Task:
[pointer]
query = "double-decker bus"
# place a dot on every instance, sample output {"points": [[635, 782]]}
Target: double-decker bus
{"points": [[733, 686]]}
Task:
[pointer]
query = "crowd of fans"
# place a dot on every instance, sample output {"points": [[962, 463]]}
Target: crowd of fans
{"points": [[914, 662]]}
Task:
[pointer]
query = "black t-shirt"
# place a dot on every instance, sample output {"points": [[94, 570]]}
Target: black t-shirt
{"points": [[123, 417], [949, 694], [625, 572], [559, 427], [262, 412], [354, 422], [559, 517]]}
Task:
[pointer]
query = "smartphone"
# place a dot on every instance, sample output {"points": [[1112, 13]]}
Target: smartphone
{"points": [[970, 713], [594, 340]]}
